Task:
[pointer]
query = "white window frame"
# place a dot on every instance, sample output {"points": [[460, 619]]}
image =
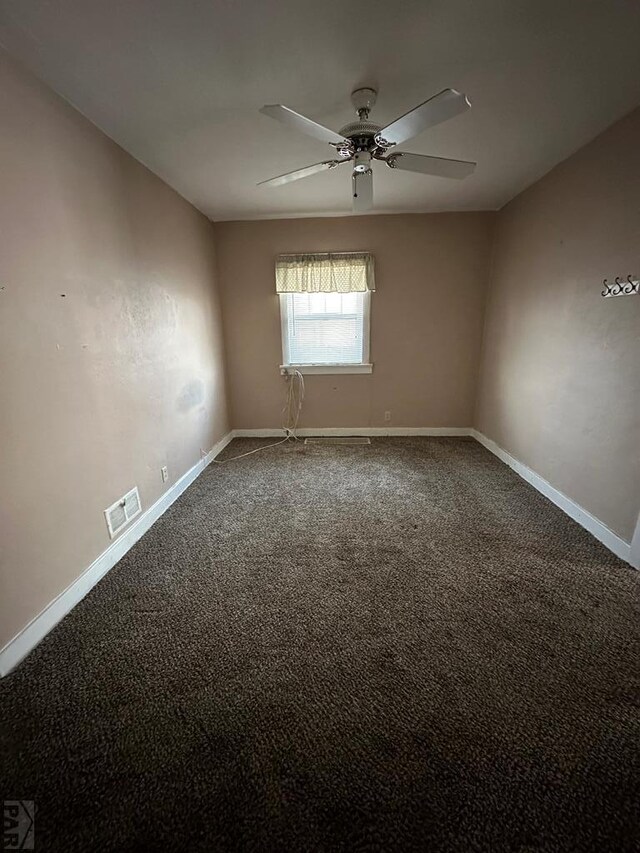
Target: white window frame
{"points": [[365, 366]]}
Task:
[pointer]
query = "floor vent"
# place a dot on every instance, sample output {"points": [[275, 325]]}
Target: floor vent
{"points": [[356, 439], [121, 512]]}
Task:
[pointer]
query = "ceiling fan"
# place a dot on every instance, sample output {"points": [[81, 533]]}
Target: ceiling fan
{"points": [[361, 142]]}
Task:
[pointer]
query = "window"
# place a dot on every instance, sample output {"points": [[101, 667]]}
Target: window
{"points": [[325, 329], [324, 307]]}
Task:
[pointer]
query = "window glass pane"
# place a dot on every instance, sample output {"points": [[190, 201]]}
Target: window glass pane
{"points": [[323, 328], [350, 301]]}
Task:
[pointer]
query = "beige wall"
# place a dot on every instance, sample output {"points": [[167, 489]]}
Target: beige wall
{"points": [[426, 319], [122, 374], [560, 382]]}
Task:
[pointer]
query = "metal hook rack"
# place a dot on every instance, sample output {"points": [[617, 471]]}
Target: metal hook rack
{"points": [[621, 288]]}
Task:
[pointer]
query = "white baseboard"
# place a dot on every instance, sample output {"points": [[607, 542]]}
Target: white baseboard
{"points": [[635, 547], [596, 527], [39, 627], [342, 431]]}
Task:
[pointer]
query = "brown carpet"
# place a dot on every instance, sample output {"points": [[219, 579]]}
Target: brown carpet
{"points": [[397, 647]]}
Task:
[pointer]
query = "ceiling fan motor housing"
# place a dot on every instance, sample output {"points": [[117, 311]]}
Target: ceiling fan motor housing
{"points": [[360, 136], [359, 129]]}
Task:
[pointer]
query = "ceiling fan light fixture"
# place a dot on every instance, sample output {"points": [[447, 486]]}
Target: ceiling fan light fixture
{"points": [[362, 161]]}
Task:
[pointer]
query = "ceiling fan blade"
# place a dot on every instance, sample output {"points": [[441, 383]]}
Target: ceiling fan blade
{"points": [[445, 105], [362, 191], [302, 123], [440, 167], [300, 173]]}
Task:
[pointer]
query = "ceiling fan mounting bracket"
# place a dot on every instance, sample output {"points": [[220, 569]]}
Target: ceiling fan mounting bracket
{"points": [[363, 100], [344, 148], [382, 142]]}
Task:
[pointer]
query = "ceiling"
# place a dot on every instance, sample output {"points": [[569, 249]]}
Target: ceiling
{"points": [[178, 83]]}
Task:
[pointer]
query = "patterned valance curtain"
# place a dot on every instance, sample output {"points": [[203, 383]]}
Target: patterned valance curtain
{"points": [[331, 272]]}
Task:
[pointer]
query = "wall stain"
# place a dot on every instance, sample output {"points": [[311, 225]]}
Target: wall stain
{"points": [[191, 395]]}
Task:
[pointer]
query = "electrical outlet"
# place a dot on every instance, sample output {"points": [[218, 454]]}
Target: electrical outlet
{"points": [[165, 473], [387, 416]]}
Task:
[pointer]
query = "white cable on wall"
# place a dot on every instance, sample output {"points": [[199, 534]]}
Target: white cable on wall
{"points": [[291, 415]]}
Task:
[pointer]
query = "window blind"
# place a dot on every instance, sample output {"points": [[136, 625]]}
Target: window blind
{"points": [[324, 328]]}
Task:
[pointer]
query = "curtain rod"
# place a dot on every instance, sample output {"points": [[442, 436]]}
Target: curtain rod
{"points": [[298, 254]]}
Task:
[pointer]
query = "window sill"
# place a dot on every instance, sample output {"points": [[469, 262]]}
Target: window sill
{"points": [[326, 368]]}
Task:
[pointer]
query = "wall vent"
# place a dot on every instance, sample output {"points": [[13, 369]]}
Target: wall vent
{"points": [[122, 511], [345, 440]]}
